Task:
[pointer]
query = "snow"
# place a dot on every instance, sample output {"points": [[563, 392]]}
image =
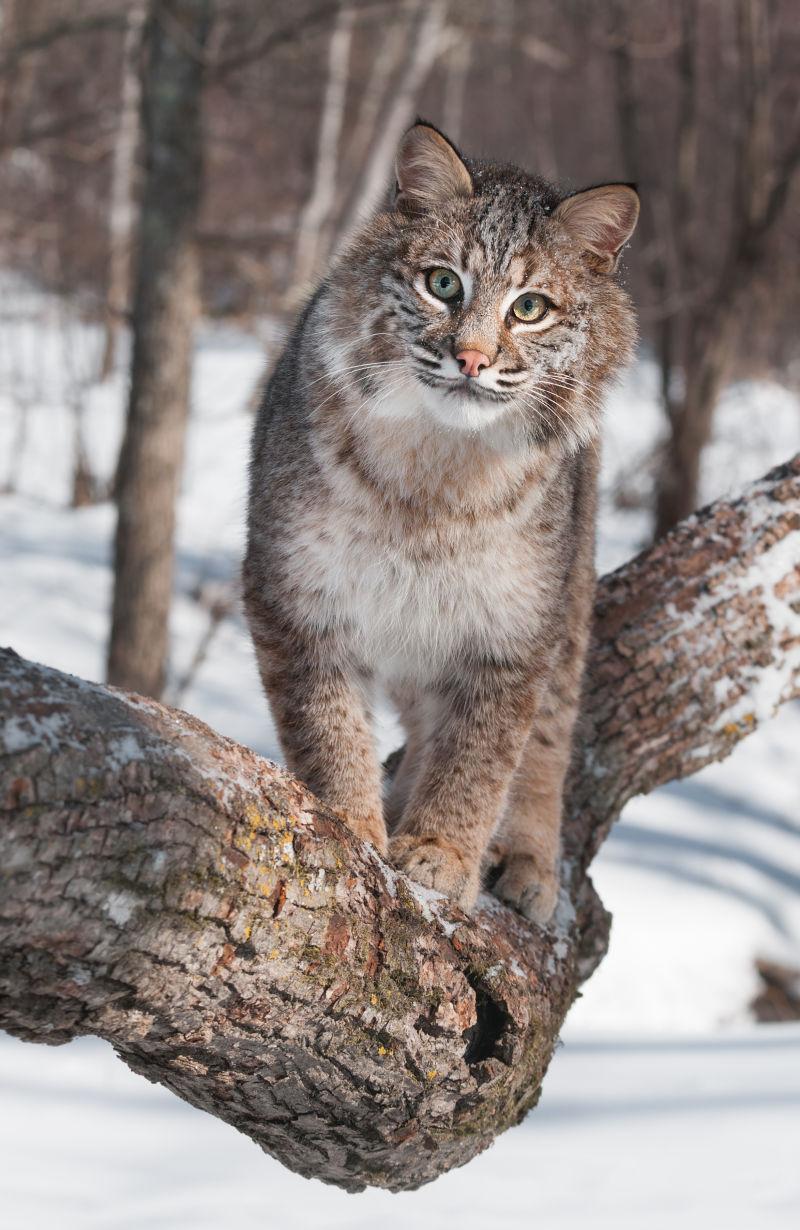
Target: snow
{"points": [[119, 907], [667, 1105], [656, 1133]]}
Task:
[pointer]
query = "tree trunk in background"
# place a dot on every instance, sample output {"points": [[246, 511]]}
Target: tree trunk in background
{"points": [[196, 906], [164, 312], [17, 81], [315, 220], [457, 71], [707, 335], [423, 50], [123, 179], [699, 315], [379, 85], [691, 417]]}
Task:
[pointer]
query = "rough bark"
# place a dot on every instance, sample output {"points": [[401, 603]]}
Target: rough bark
{"points": [[163, 317], [173, 893]]}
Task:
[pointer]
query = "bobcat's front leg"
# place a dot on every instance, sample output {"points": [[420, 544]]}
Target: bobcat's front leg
{"points": [[320, 710], [483, 722]]}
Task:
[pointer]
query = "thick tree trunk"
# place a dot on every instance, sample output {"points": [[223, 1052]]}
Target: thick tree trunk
{"points": [[196, 906], [163, 317]]}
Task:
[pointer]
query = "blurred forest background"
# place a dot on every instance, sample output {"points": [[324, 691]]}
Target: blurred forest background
{"points": [[173, 177], [163, 160]]}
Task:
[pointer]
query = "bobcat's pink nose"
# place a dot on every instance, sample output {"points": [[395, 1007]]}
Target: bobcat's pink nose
{"points": [[472, 362]]}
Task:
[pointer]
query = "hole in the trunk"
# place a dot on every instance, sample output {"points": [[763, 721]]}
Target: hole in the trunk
{"points": [[485, 1039]]}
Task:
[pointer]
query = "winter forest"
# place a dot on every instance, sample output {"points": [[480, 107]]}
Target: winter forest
{"points": [[250, 1018]]}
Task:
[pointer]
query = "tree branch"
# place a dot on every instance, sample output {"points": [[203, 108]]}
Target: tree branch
{"points": [[45, 38], [173, 893], [306, 25]]}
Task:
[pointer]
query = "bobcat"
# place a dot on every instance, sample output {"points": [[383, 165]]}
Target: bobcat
{"points": [[421, 516]]}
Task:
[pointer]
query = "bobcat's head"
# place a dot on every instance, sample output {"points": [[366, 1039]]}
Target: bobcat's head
{"points": [[483, 293]]}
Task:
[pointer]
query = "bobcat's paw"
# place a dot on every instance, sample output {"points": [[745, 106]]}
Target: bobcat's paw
{"points": [[524, 886], [436, 863]]}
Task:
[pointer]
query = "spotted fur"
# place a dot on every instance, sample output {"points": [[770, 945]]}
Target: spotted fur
{"points": [[431, 534]]}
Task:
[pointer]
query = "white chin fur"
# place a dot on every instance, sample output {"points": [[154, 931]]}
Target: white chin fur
{"points": [[410, 399], [466, 413]]}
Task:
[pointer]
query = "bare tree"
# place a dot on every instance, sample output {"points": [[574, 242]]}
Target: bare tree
{"points": [[764, 179], [163, 318], [80, 372], [315, 218], [411, 42], [422, 50], [698, 284], [122, 206], [17, 81], [386, 62], [191, 903], [458, 64], [219, 601], [22, 381]]}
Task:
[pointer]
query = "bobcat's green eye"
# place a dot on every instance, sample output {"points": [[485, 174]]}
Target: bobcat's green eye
{"points": [[530, 307], [444, 284]]}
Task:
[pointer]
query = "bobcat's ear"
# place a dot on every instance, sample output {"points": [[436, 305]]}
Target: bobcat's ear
{"points": [[429, 170], [601, 220]]}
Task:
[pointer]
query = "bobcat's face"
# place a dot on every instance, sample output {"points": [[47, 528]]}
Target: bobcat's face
{"points": [[492, 296], [496, 320]]}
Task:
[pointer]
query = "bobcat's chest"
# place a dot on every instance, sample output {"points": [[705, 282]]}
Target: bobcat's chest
{"points": [[408, 604]]}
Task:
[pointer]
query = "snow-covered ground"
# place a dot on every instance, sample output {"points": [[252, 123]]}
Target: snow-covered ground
{"points": [[649, 1134], [666, 1105]]}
